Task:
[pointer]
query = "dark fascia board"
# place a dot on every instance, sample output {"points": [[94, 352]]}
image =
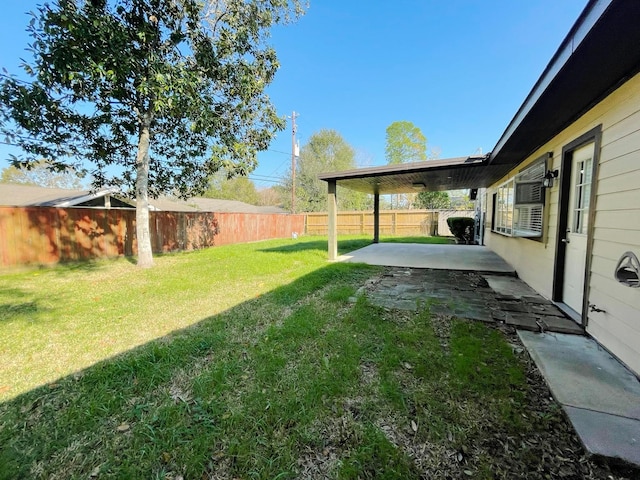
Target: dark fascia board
{"points": [[598, 55], [432, 175], [413, 167]]}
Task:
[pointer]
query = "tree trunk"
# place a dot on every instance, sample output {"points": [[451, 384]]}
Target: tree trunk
{"points": [[143, 234]]}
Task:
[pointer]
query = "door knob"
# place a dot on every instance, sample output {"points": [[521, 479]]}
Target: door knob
{"points": [[565, 240]]}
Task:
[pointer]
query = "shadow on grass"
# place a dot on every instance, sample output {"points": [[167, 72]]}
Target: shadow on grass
{"points": [[346, 245], [76, 266], [18, 310], [10, 311], [61, 268], [423, 240], [52, 428], [320, 244]]}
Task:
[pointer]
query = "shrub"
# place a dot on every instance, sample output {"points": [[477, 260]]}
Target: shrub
{"points": [[462, 228]]}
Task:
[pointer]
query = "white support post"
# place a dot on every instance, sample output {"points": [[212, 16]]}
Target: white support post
{"points": [[332, 207], [376, 218]]}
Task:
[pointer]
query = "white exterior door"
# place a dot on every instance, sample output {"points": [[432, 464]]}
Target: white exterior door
{"points": [[577, 225]]}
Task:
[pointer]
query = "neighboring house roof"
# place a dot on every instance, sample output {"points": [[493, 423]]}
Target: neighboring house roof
{"points": [[230, 206], [271, 209], [33, 196], [167, 204], [598, 55], [17, 195]]}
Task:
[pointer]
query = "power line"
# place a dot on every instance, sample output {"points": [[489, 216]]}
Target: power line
{"points": [[267, 179], [279, 166], [278, 182], [278, 151], [266, 176]]}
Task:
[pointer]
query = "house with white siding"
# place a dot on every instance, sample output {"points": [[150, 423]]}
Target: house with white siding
{"points": [[561, 198], [567, 214]]}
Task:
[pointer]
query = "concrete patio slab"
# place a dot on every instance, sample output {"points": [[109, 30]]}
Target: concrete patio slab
{"points": [[439, 257], [601, 397]]}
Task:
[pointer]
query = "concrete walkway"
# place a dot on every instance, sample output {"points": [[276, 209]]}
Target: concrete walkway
{"points": [[599, 395], [439, 257]]}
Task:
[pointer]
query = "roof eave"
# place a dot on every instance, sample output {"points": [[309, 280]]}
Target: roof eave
{"points": [[70, 202], [446, 174]]}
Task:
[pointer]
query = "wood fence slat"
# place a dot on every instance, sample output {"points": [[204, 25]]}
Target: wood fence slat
{"points": [[392, 222]]}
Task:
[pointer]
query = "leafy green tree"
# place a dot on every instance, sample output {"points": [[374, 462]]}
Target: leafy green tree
{"points": [[433, 200], [405, 143], [236, 188], [152, 96], [326, 151], [41, 175]]}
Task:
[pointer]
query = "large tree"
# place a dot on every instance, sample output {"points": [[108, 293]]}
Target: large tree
{"points": [[433, 200], [152, 96], [326, 151], [405, 143]]}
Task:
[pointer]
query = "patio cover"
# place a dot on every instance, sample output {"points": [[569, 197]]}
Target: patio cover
{"points": [[432, 175]]}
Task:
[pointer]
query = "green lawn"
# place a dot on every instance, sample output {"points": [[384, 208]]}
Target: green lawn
{"points": [[257, 361]]}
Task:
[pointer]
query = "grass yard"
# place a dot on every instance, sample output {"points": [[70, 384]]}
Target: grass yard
{"points": [[258, 361]]}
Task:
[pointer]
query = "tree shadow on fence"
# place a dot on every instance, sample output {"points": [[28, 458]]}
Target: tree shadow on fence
{"points": [[47, 236]]}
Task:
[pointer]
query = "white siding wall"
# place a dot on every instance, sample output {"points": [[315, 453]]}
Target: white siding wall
{"points": [[616, 228]]}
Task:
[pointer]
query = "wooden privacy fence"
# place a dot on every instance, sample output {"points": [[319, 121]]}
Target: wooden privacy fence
{"points": [[42, 235], [252, 227], [392, 222]]}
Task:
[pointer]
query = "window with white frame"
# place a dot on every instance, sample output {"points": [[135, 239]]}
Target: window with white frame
{"points": [[519, 202], [503, 221]]}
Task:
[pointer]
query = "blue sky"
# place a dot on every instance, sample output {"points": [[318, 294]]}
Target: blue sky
{"points": [[458, 69]]}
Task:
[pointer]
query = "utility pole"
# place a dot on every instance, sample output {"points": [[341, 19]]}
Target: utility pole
{"points": [[293, 162]]}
